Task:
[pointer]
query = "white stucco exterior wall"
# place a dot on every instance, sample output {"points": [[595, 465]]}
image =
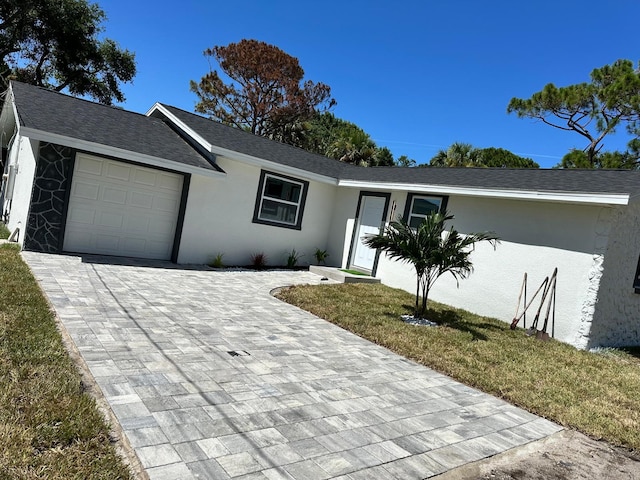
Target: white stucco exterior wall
{"points": [[616, 308], [341, 227], [536, 237], [23, 156], [219, 214]]}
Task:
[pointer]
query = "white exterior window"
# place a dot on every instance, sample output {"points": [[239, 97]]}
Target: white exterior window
{"points": [[280, 200], [419, 206]]}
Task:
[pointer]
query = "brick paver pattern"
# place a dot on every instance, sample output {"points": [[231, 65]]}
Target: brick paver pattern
{"points": [[211, 377]]}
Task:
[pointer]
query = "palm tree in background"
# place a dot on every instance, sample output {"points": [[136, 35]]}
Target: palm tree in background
{"points": [[458, 155]]}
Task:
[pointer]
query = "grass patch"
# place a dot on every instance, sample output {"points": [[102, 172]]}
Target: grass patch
{"points": [[4, 231], [596, 393], [354, 272], [49, 427]]}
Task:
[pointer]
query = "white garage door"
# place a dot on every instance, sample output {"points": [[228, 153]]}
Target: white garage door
{"points": [[120, 209]]}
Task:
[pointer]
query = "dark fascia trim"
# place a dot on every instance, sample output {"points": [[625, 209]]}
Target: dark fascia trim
{"points": [[204, 153], [410, 195], [303, 201], [186, 181], [177, 239], [67, 197], [365, 193]]}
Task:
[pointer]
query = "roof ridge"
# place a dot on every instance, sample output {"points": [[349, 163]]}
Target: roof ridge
{"points": [[254, 135], [80, 99]]}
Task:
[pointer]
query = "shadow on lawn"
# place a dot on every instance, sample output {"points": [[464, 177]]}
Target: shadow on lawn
{"points": [[452, 319], [633, 352]]}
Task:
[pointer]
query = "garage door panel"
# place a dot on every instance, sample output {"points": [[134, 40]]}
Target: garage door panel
{"points": [[165, 204], [144, 177], [170, 183], [158, 227], [113, 221], [118, 171], [135, 245], [86, 190], [159, 249], [141, 200], [137, 223], [81, 215], [90, 165], [114, 195], [77, 237], [107, 242], [121, 209]]}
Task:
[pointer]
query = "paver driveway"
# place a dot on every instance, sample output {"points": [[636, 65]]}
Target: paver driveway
{"points": [[212, 378]]}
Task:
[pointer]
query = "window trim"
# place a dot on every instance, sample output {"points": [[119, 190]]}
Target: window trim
{"points": [[444, 199], [260, 197]]}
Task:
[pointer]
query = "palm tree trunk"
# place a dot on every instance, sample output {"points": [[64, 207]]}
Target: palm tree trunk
{"points": [[415, 310], [425, 296]]}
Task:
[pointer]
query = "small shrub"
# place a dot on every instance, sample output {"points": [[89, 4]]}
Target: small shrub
{"points": [[321, 256], [217, 261], [293, 258], [259, 260], [4, 231]]}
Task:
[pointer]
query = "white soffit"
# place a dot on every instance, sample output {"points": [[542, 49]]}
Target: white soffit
{"points": [[562, 197]]}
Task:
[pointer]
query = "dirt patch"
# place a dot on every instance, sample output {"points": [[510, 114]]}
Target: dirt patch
{"points": [[567, 455]]}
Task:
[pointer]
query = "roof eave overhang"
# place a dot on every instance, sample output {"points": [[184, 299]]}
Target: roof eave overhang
{"points": [[275, 166], [115, 152], [239, 156], [531, 195], [9, 112]]}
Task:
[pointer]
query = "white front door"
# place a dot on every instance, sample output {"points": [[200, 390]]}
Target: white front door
{"points": [[370, 218], [117, 208]]}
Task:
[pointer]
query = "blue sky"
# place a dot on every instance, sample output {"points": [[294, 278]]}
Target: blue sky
{"points": [[415, 75]]}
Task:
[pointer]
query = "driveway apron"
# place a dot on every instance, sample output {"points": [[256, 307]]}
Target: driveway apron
{"points": [[210, 377]]}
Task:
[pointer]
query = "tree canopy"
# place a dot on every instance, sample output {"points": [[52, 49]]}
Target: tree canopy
{"points": [[265, 93], [613, 160], [592, 110], [466, 155], [56, 44], [342, 140]]}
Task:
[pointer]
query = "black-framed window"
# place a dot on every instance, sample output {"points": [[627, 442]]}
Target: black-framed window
{"points": [[418, 206], [280, 200]]}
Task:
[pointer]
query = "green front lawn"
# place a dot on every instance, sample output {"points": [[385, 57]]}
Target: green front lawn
{"points": [[598, 394], [49, 427]]}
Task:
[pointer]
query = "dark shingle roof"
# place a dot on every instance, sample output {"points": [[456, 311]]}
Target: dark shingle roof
{"points": [[232, 138], [53, 112], [524, 179], [542, 180]]}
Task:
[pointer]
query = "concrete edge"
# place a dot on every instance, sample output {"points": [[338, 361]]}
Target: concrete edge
{"points": [[483, 467], [336, 274]]}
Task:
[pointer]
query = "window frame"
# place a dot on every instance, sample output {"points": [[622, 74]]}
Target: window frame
{"points": [[411, 196], [260, 198]]}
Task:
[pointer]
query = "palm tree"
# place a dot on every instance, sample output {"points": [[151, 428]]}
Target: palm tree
{"points": [[353, 146], [432, 250], [458, 155]]}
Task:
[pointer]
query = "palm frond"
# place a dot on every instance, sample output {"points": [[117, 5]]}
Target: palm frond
{"points": [[432, 250]]}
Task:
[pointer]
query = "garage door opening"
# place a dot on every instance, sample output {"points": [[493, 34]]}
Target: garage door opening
{"points": [[117, 208]]}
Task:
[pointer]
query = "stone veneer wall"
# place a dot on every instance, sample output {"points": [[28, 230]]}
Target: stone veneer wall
{"points": [[616, 316], [44, 224]]}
